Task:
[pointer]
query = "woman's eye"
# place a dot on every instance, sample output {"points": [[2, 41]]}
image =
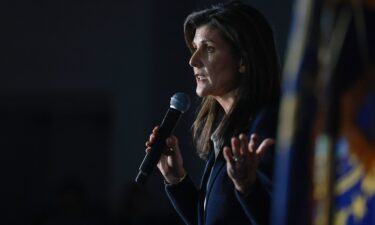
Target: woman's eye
{"points": [[210, 49]]}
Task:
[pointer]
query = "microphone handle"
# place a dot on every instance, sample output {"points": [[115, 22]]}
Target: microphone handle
{"points": [[152, 158]]}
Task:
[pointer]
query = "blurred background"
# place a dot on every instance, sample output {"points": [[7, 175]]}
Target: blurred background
{"points": [[82, 84]]}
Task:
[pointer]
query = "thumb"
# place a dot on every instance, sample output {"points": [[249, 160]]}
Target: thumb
{"points": [[264, 146], [172, 142], [172, 145]]}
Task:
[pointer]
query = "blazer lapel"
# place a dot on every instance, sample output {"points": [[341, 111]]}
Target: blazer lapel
{"points": [[207, 170], [202, 193], [218, 166]]}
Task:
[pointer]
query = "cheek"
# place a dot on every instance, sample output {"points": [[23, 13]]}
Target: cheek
{"points": [[215, 67], [225, 72]]}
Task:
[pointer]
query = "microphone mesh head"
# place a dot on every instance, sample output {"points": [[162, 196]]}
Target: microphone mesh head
{"points": [[180, 101]]}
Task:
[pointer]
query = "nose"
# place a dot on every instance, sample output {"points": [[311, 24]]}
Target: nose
{"points": [[195, 60]]}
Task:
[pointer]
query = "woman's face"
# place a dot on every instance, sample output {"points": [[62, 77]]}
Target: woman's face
{"points": [[215, 67]]}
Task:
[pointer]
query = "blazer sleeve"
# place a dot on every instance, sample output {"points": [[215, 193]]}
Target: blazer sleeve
{"points": [[257, 204], [184, 198]]}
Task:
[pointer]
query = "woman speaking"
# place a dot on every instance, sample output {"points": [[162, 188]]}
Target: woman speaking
{"points": [[235, 65]]}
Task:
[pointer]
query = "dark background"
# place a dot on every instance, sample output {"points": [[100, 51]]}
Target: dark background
{"points": [[82, 84]]}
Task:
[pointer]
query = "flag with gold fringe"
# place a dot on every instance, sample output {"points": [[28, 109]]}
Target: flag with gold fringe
{"points": [[292, 175], [327, 117], [354, 172]]}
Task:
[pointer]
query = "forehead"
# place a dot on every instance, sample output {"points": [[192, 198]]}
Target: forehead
{"points": [[207, 33]]}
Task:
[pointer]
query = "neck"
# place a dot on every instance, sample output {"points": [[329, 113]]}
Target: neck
{"points": [[226, 101]]}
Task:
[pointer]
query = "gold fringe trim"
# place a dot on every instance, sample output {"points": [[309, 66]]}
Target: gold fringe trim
{"points": [[363, 148]]}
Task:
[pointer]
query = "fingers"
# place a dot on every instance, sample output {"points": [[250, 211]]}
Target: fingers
{"points": [[170, 145], [228, 156], [156, 129], [264, 146], [236, 145], [237, 153], [242, 149], [243, 145], [152, 137], [242, 159], [172, 142], [239, 147], [253, 143]]}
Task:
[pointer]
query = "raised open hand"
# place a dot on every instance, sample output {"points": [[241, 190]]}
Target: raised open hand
{"points": [[243, 158]]}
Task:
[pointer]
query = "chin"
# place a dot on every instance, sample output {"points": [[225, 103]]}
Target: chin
{"points": [[201, 93]]}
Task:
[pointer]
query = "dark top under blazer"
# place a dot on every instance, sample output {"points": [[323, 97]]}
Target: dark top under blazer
{"points": [[224, 204]]}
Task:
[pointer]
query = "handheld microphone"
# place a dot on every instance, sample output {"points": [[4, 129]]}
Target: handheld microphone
{"points": [[180, 103]]}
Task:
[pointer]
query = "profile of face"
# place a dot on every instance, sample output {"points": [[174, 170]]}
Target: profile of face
{"points": [[216, 70]]}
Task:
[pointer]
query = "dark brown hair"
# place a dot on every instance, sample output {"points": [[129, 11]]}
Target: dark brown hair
{"points": [[251, 39]]}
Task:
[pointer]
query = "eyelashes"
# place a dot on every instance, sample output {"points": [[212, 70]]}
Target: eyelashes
{"points": [[207, 48], [210, 49]]}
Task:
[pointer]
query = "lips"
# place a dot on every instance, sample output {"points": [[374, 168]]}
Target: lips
{"points": [[200, 77]]}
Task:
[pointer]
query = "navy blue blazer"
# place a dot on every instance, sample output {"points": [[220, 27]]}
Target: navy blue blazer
{"points": [[224, 204]]}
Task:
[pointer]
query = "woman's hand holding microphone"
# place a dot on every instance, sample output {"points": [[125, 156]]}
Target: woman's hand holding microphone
{"points": [[170, 163]]}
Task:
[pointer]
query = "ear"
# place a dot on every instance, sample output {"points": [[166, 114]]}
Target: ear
{"points": [[241, 68]]}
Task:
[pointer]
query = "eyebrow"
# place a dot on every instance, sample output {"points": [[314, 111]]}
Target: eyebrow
{"points": [[204, 41]]}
